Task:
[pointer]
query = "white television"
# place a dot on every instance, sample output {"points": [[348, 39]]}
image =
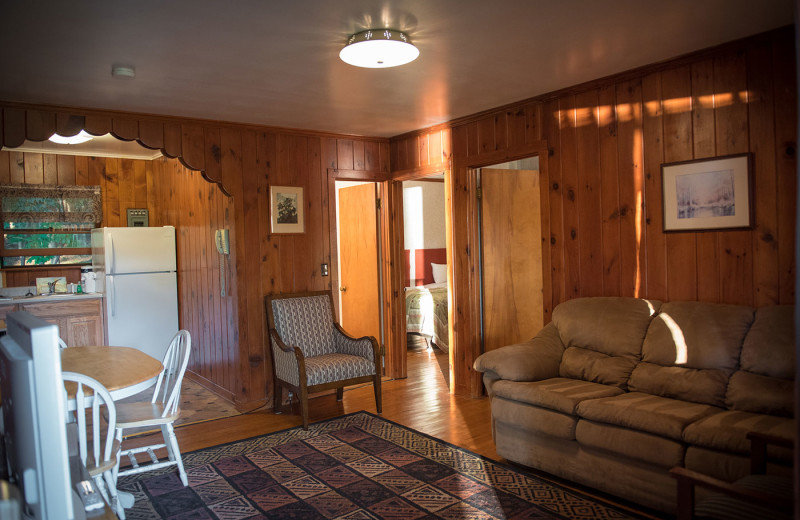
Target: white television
{"points": [[34, 417]]}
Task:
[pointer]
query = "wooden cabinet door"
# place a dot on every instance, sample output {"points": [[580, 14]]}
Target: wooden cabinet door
{"points": [[84, 331], [80, 322], [5, 309]]}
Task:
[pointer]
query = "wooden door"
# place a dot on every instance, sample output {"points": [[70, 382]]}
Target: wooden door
{"points": [[511, 250], [358, 249]]}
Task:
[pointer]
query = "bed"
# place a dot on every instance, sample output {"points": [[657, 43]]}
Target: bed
{"points": [[426, 313]]}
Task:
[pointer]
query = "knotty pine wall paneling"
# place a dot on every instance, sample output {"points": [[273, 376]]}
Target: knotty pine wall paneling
{"points": [[605, 143], [197, 209], [243, 160]]}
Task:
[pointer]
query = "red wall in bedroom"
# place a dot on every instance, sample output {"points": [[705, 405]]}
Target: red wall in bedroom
{"points": [[422, 260]]}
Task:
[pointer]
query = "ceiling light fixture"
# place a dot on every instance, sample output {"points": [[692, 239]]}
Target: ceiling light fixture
{"points": [[379, 49], [81, 137], [123, 71]]}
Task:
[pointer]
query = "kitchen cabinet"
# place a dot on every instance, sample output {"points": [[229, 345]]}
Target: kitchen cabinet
{"points": [[80, 321]]}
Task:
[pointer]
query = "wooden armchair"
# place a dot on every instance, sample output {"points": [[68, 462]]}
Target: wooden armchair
{"points": [[310, 352], [757, 495]]}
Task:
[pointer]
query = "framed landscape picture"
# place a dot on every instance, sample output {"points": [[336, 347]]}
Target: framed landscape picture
{"points": [[286, 209], [708, 194]]}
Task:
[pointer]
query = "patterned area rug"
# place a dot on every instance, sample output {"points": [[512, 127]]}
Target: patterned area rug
{"points": [[358, 466]]}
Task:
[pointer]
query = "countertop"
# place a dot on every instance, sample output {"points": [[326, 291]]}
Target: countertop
{"points": [[58, 297]]}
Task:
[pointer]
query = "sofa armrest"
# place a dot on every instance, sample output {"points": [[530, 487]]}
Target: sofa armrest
{"points": [[533, 360]]}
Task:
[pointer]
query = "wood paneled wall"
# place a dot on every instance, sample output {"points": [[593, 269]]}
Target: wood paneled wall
{"points": [[123, 183], [604, 144], [197, 208], [244, 160]]}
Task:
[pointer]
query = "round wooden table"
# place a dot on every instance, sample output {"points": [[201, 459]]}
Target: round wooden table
{"points": [[124, 371]]}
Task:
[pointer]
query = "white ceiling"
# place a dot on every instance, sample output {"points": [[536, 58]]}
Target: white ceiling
{"points": [[276, 62]]}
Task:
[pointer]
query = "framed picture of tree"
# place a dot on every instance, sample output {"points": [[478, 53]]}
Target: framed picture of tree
{"points": [[286, 210], [708, 194]]}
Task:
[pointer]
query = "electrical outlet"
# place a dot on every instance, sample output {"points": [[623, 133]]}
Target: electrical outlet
{"points": [[324, 269]]}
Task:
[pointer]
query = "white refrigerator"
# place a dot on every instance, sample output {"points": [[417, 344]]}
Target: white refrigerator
{"points": [[136, 272]]}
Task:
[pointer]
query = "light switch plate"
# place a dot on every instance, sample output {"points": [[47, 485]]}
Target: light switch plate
{"points": [[324, 269]]}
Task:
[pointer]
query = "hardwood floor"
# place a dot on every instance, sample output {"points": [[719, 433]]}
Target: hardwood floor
{"points": [[422, 401]]}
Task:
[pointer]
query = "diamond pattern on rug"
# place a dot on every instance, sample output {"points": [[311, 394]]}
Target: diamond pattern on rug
{"points": [[332, 504], [339, 476], [284, 472], [201, 474], [215, 491], [234, 509], [265, 458], [306, 487], [356, 467], [430, 497], [370, 466]]}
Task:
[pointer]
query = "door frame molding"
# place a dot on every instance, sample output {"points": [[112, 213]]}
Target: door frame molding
{"points": [[464, 266], [398, 353], [382, 179]]}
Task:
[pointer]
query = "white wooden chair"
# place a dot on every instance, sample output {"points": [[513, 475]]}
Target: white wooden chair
{"points": [[161, 411], [92, 399], [62, 343]]}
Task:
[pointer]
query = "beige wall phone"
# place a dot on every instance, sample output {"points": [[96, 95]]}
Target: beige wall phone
{"points": [[223, 243]]}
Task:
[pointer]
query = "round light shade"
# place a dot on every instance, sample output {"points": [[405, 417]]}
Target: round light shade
{"points": [[378, 49], [79, 138]]}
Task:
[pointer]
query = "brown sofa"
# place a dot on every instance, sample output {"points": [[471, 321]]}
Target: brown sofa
{"points": [[616, 391]]}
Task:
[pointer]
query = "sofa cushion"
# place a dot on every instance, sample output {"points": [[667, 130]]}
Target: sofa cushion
{"points": [[610, 325], [588, 365], [727, 431], [690, 351], [529, 418], [633, 444], [765, 382], [687, 384], [748, 392], [559, 394], [649, 413], [603, 337], [768, 348]]}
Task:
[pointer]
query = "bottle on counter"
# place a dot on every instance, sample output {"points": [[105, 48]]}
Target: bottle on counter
{"points": [[88, 279]]}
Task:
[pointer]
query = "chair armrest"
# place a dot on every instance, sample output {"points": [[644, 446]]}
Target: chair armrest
{"points": [[276, 338], [366, 346], [290, 364], [758, 449], [688, 480], [533, 360]]}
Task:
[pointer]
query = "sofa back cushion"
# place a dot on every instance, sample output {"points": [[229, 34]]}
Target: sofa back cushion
{"points": [[765, 381], [691, 350], [603, 337]]}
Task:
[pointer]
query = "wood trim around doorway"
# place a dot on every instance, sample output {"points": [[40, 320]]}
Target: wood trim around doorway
{"points": [[382, 180]]}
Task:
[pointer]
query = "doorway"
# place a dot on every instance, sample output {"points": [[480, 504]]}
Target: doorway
{"points": [[359, 253], [425, 271], [511, 253]]}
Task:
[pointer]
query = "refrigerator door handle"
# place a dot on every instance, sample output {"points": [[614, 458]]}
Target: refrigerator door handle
{"points": [[112, 295], [112, 257]]}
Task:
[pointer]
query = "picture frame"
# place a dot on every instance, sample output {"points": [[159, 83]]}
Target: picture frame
{"points": [[287, 211], [708, 194]]}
